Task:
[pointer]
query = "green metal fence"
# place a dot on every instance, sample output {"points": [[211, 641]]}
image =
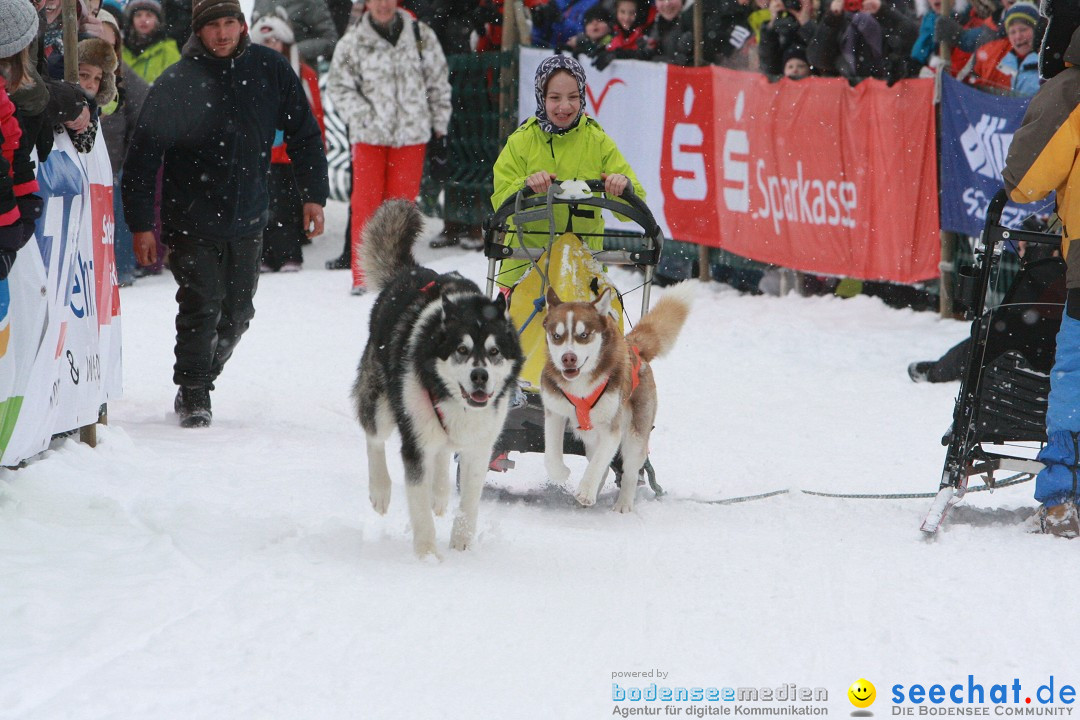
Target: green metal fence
{"points": [[477, 80]]}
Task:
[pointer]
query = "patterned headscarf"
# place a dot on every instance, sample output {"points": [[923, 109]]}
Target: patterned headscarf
{"points": [[544, 72]]}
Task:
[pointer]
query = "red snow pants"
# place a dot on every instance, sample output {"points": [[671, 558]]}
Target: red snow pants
{"points": [[380, 173]]}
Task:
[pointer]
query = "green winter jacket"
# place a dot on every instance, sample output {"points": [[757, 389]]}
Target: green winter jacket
{"points": [[583, 153], [154, 60]]}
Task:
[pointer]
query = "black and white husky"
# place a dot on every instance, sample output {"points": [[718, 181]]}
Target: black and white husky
{"points": [[441, 365]]}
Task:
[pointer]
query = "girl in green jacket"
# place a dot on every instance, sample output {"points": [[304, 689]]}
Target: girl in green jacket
{"points": [[147, 49], [559, 143]]}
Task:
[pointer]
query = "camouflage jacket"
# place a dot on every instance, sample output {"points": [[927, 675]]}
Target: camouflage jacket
{"points": [[393, 95]]}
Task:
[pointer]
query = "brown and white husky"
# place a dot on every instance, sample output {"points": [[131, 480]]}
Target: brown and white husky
{"points": [[601, 383]]}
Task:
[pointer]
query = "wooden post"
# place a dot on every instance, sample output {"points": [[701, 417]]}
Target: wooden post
{"points": [[945, 51], [704, 271], [70, 22], [948, 239], [88, 435], [510, 32], [70, 27], [948, 262]]}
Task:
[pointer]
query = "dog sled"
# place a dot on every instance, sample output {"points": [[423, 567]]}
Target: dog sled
{"points": [[999, 419], [577, 273]]}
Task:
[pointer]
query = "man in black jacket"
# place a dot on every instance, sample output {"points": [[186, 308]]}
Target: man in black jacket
{"points": [[211, 118]]}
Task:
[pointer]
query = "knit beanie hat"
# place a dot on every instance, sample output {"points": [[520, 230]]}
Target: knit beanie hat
{"points": [[272, 27], [18, 26], [796, 52], [204, 11], [1023, 11], [100, 53], [276, 27], [599, 12], [135, 5], [107, 18]]}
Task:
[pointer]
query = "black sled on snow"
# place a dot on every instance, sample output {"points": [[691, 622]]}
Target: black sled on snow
{"points": [[999, 419]]}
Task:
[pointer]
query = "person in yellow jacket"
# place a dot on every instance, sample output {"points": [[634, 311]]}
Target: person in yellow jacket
{"points": [[1042, 159], [560, 142], [147, 49]]}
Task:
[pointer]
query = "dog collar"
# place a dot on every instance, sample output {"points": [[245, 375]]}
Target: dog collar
{"points": [[583, 406], [438, 412]]}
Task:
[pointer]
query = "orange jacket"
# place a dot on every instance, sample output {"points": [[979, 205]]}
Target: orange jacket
{"points": [[1042, 156], [987, 58]]}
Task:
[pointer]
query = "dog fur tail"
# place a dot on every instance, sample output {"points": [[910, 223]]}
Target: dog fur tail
{"points": [[656, 332], [388, 240]]}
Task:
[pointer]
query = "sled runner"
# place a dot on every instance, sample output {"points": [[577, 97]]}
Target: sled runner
{"points": [[576, 272], [999, 420]]}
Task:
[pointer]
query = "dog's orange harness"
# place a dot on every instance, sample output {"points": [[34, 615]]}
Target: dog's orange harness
{"points": [[583, 406]]}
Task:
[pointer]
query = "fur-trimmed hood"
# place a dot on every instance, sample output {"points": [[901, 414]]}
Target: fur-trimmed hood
{"points": [[99, 53]]}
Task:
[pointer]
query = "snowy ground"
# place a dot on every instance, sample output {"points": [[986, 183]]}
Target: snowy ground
{"points": [[239, 572]]}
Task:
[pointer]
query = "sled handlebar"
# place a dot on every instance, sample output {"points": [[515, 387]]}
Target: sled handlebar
{"points": [[632, 207], [995, 232]]}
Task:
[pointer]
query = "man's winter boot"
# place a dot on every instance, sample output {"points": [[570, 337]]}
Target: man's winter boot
{"points": [[192, 405], [1060, 520], [919, 371], [341, 262]]}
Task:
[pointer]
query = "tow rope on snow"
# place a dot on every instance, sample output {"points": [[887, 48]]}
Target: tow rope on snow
{"points": [[1012, 480], [734, 500]]}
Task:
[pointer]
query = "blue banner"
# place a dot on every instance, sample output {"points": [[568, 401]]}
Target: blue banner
{"points": [[976, 131]]}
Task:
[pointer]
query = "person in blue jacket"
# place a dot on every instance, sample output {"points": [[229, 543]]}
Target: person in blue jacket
{"points": [[556, 21]]}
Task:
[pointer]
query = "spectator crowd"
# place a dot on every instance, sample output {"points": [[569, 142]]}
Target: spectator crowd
{"points": [[385, 69], [992, 44]]}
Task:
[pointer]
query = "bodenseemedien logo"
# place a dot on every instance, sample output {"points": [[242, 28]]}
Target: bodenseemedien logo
{"points": [[703, 700]]}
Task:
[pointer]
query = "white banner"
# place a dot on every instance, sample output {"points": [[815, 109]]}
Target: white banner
{"points": [[60, 354], [628, 99]]}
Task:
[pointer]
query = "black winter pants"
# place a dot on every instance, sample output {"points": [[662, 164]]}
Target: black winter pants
{"points": [[217, 281], [284, 234], [950, 366]]}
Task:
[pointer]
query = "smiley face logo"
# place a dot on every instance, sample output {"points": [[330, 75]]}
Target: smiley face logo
{"points": [[862, 693]]}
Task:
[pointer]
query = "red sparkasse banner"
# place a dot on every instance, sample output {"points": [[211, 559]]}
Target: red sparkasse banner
{"points": [[813, 175]]}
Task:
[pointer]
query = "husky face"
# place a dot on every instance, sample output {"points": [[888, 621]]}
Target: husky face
{"points": [[575, 334], [478, 353]]}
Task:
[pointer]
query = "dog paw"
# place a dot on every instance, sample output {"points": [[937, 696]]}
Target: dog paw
{"points": [[585, 499], [623, 506], [380, 500], [461, 541], [440, 501], [425, 549], [461, 537], [558, 474]]}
